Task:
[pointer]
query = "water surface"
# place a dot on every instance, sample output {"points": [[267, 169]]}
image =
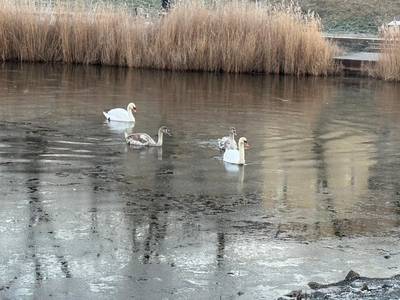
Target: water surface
{"points": [[85, 216]]}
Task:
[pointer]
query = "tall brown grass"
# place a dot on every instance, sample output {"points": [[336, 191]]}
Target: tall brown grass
{"points": [[230, 37], [388, 65]]}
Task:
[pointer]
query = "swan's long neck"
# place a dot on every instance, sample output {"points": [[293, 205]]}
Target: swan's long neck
{"points": [[241, 154], [160, 138], [232, 136], [130, 113]]}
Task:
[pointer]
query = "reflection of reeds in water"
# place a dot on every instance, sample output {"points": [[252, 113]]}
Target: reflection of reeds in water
{"points": [[387, 100], [290, 144], [319, 157], [230, 37], [388, 65], [238, 91]]}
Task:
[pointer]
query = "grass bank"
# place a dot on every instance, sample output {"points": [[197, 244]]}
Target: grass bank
{"points": [[228, 37], [355, 16], [338, 16]]}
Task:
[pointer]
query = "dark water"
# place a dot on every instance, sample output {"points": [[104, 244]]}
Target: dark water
{"points": [[83, 216]]}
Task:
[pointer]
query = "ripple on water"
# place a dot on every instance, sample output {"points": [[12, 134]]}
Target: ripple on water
{"points": [[66, 155], [72, 142]]}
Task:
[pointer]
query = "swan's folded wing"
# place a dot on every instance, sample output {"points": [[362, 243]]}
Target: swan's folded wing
{"points": [[118, 114], [231, 144], [227, 143], [138, 139], [231, 156], [146, 137], [222, 142]]}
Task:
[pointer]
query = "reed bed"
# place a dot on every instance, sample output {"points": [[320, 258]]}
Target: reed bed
{"points": [[229, 36], [388, 65]]}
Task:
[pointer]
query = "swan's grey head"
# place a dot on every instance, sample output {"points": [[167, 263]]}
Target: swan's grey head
{"points": [[233, 130], [132, 107], [166, 130]]}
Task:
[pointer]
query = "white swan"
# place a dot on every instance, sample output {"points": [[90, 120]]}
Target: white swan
{"points": [[236, 156], [120, 114], [143, 139], [228, 142]]}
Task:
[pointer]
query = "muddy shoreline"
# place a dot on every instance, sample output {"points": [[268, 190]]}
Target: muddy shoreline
{"points": [[353, 286]]}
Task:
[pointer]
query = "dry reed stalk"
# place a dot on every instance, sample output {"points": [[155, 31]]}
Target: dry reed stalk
{"points": [[388, 65], [231, 37]]}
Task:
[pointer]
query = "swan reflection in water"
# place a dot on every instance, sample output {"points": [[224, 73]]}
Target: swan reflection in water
{"points": [[120, 127], [237, 171], [145, 151]]}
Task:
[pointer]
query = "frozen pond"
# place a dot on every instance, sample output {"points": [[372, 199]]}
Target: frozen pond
{"points": [[83, 216]]}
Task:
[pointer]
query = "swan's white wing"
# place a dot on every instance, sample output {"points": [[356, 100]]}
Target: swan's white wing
{"points": [[118, 114], [231, 156], [226, 143], [231, 144], [222, 141]]}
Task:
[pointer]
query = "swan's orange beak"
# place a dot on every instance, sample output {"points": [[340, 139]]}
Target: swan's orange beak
{"points": [[247, 146]]}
